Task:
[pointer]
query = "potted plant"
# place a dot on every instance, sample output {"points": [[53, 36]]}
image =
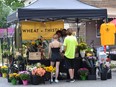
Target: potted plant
{"points": [[91, 62], [83, 72], [37, 75], [82, 47], [49, 70], [14, 77], [4, 70], [24, 76]]}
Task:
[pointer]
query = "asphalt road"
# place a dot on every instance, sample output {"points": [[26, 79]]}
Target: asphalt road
{"points": [[77, 83]]}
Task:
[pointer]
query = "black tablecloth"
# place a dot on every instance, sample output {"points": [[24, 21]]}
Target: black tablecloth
{"points": [[112, 56], [63, 69]]}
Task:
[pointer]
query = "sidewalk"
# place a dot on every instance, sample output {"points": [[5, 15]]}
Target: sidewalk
{"points": [[77, 83]]}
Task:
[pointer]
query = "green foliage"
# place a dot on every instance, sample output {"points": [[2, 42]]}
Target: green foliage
{"points": [[112, 65], [80, 39], [82, 46], [4, 69], [83, 71], [14, 4], [24, 76], [6, 7]]}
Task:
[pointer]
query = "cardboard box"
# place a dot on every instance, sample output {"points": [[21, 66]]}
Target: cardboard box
{"points": [[34, 56]]}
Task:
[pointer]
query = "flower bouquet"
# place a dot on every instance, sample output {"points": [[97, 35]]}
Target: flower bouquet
{"points": [[37, 75], [83, 72], [38, 71], [50, 69], [24, 76], [4, 70], [14, 77]]}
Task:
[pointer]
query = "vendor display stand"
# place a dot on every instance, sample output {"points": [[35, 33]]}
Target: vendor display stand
{"points": [[77, 11]]}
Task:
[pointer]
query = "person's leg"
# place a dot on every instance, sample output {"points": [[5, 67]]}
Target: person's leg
{"points": [[57, 69], [73, 67], [52, 64], [71, 70], [71, 73]]}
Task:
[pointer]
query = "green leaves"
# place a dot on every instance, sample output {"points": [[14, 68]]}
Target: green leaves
{"points": [[14, 4], [6, 7]]}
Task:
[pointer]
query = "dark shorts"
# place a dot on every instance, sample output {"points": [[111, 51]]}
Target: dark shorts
{"points": [[70, 63], [55, 59]]}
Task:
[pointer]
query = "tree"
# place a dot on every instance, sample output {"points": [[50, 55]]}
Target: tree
{"points": [[14, 4], [6, 7]]}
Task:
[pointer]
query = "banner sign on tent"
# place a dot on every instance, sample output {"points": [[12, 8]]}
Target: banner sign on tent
{"points": [[10, 32], [3, 32], [33, 30]]}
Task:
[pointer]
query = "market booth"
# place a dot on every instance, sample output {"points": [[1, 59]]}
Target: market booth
{"points": [[44, 11]]}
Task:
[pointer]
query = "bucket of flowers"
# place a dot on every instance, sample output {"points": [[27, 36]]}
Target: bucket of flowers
{"points": [[14, 77], [38, 75], [24, 76], [49, 70], [4, 70], [91, 60], [83, 72], [82, 48]]}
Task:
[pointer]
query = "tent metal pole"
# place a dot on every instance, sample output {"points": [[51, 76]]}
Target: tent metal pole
{"points": [[78, 28]]}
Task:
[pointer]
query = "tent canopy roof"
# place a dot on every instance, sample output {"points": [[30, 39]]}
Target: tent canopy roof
{"points": [[45, 9], [59, 4]]}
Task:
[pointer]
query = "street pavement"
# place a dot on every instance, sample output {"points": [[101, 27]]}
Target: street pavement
{"points": [[77, 83]]}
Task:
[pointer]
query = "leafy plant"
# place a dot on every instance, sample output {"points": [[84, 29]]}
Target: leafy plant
{"points": [[14, 76], [24, 75], [82, 46], [4, 69], [6, 7], [83, 71]]}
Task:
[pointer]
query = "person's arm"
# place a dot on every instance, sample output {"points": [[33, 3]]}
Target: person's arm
{"points": [[61, 47], [65, 44], [49, 51]]}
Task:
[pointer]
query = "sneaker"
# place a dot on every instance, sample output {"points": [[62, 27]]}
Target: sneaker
{"points": [[72, 80], [56, 81], [68, 80], [51, 80]]}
